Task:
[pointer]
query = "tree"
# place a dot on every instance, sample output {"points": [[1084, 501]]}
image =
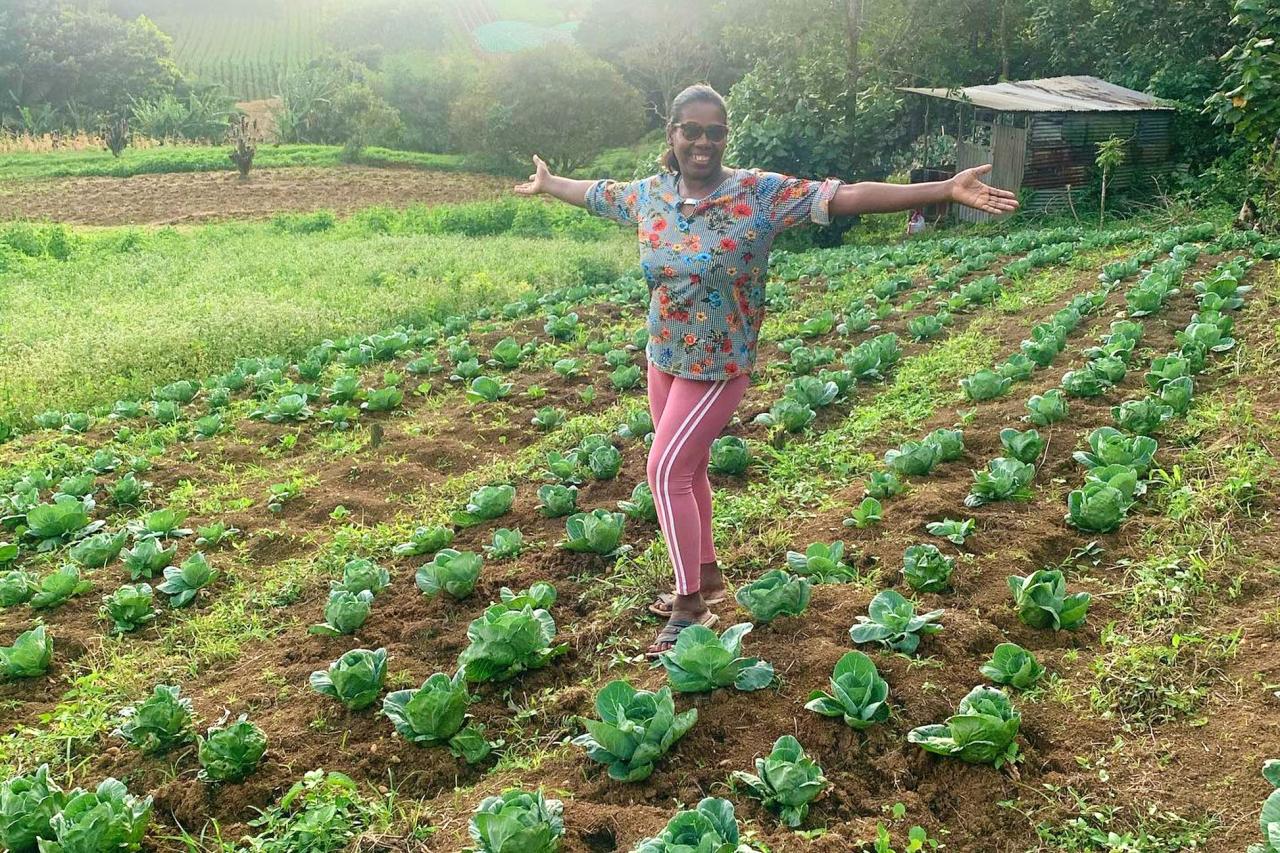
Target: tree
{"points": [[81, 63], [330, 102], [423, 93], [620, 32], [557, 102], [1248, 102]]}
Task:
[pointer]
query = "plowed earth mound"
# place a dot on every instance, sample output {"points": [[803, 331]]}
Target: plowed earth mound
{"points": [[188, 197]]}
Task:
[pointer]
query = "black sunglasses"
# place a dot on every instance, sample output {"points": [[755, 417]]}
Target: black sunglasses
{"points": [[693, 131]]}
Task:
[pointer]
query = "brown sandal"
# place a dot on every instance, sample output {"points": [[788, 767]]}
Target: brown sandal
{"points": [[671, 631], [662, 605]]}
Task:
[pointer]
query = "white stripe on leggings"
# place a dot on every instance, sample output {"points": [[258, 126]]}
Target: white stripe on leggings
{"points": [[678, 439]]}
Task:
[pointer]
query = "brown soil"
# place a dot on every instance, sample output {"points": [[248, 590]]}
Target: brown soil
{"points": [[1183, 766], [190, 197]]}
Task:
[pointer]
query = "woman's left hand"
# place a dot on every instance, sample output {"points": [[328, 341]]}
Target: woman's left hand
{"points": [[966, 189]]}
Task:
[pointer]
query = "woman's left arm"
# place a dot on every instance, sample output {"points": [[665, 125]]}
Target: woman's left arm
{"points": [[963, 188]]}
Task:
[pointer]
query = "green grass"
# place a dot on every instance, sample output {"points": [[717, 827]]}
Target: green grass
{"points": [[200, 158], [130, 309]]}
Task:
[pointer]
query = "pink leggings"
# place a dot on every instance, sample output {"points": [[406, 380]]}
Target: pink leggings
{"points": [[688, 414]]}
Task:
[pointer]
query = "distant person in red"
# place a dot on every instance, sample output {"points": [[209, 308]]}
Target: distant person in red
{"points": [[705, 230]]}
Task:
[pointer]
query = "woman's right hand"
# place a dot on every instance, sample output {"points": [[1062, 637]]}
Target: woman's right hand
{"points": [[538, 181]]}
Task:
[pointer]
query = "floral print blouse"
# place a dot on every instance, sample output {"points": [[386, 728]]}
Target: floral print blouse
{"points": [[706, 270]]}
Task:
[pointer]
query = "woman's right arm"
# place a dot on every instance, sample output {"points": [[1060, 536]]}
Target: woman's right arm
{"points": [[566, 189]]}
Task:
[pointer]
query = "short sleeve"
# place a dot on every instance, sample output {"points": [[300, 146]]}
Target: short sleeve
{"points": [[617, 200], [788, 201]]}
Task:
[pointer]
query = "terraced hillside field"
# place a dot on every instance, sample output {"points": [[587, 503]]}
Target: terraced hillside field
{"points": [[1059, 439]]}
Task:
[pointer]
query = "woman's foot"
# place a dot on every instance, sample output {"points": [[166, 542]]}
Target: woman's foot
{"points": [[689, 610], [711, 588]]}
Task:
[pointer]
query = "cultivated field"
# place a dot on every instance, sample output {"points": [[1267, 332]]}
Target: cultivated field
{"points": [[1112, 389]]}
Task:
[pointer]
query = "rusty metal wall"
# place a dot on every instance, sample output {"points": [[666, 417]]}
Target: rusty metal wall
{"points": [[1062, 148]]}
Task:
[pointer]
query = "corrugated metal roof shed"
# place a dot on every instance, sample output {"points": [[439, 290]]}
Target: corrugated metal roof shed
{"points": [[1078, 93]]}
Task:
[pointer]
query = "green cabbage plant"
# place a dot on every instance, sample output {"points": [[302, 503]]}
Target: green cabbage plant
{"points": [[355, 679], [159, 723], [1166, 369], [361, 574], [596, 532], [231, 753], [28, 803], [786, 781], [452, 571], [635, 729], [891, 621], [163, 523], [517, 822], [983, 730], [506, 641], [1268, 818], [729, 455], [1099, 507], [791, 415], [1109, 446], [775, 593], [425, 540], [1176, 394], [709, 828], [1004, 480], [181, 583], [1142, 416], [1013, 665], [28, 657], [59, 586], [985, 385], [435, 714], [1086, 382], [912, 458], [344, 613], [700, 661], [821, 563], [866, 514], [539, 596], [948, 444], [94, 552], [641, 506], [1042, 601], [884, 484], [811, 391], [547, 418], [1047, 408], [1025, 446], [106, 818], [556, 500], [54, 524], [147, 558], [486, 389], [506, 544], [927, 569], [130, 607], [858, 694], [16, 587], [955, 532], [487, 502]]}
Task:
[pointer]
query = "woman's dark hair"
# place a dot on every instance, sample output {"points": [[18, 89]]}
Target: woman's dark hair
{"points": [[698, 93]]}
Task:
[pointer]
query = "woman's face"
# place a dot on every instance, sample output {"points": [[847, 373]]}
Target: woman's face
{"points": [[699, 158]]}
